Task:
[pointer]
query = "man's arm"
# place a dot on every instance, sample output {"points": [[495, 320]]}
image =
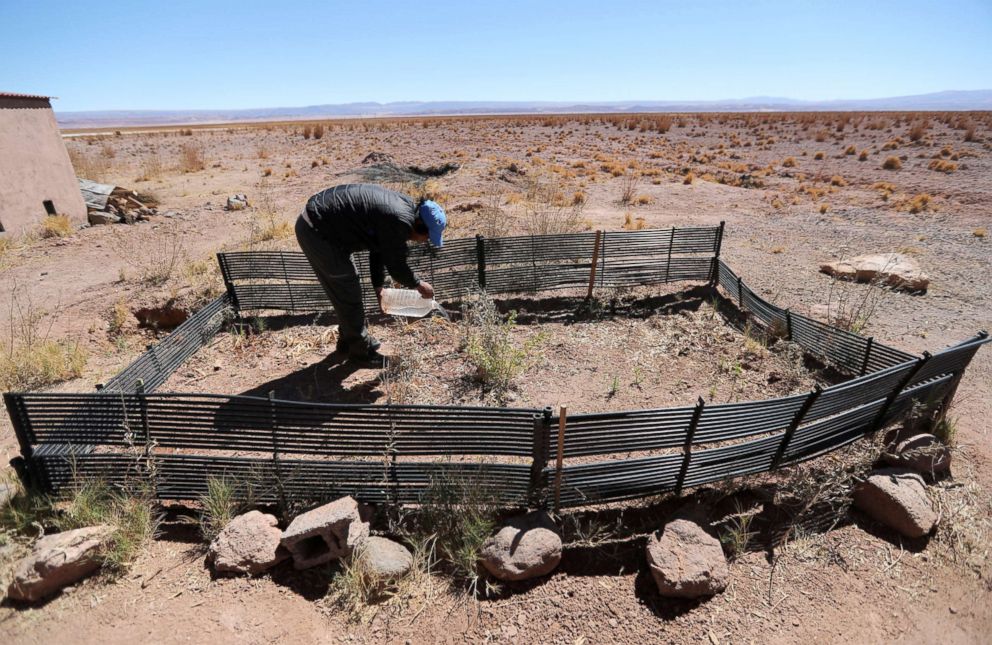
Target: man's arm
{"points": [[394, 259]]}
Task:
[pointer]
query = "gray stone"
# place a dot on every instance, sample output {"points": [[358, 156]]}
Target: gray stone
{"points": [[529, 546], [897, 498], [237, 202], [923, 453], [387, 560], [895, 270], [326, 533], [99, 218], [686, 559], [57, 561], [250, 544]]}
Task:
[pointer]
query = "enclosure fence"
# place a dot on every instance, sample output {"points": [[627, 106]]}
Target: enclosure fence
{"points": [[395, 453]]}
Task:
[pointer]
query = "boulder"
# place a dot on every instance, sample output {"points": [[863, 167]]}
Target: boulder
{"points": [[529, 546], [57, 561], [237, 202], [895, 270], [386, 560], [250, 544], [897, 498], [326, 533], [99, 218], [922, 453], [686, 559]]}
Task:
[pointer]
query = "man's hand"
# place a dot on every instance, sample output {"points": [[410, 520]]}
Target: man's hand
{"points": [[426, 290]]}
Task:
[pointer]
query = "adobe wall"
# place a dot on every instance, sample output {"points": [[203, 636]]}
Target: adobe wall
{"points": [[34, 166]]}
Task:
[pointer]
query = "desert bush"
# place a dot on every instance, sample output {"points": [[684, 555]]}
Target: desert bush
{"points": [[892, 163], [318, 131], [851, 150], [824, 208], [837, 180], [980, 232], [488, 340], [224, 500], [853, 306], [29, 359], [131, 511], [946, 167], [689, 178], [789, 162], [191, 157], [920, 202], [628, 190], [306, 132], [818, 156], [457, 515], [548, 210], [863, 156], [56, 226], [917, 131]]}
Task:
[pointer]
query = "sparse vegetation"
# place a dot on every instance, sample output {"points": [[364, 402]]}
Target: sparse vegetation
{"points": [[191, 158], [56, 226], [490, 347], [29, 358], [892, 163]]}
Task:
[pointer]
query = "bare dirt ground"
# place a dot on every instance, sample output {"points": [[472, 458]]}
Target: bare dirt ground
{"points": [[787, 207]]}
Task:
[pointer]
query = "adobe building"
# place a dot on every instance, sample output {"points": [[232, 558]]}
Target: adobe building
{"points": [[36, 176]]}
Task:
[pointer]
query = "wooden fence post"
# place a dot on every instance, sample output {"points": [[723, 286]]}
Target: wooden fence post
{"points": [[562, 414], [592, 267], [687, 450]]}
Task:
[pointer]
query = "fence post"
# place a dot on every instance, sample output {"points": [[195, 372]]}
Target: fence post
{"points": [[864, 363], [668, 263], [796, 422], [26, 469], [788, 324], [562, 416], [480, 260], [139, 390], [228, 284], [592, 267], [602, 258], [897, 390], [687, 450], [274, 424], [716, 254], [740, 293], [285, 278], [539, 454]]}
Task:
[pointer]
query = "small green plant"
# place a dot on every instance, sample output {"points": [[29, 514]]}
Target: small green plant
{"points": [[490, 347], [638, 376], [222, 502], [614, 387], [736, 535], [946, 429], [131, 511], [457, 514], [361, 591]]}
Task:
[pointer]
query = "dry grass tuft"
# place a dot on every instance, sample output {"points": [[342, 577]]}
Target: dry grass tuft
{"points": [[920, 203], [891, 163], [191, 158], [29, 358], [56, 226], [946, 167]]}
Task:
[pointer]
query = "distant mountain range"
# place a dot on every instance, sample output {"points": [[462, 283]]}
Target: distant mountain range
{"points": [[950, 100]]}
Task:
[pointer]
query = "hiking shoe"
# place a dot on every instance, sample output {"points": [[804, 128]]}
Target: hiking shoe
{"points": [[372, 359]]}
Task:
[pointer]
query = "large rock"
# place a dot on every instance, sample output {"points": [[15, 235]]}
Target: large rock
{"points": [[237, 202], [386, 560], [326, 533], [527, 547], [897, 498], [99, 218], [922, 453], [686, 559], [58, 560], [250, 544], [892, 269]]}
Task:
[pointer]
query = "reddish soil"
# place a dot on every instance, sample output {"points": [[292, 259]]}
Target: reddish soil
{"points": [[855, 583]]}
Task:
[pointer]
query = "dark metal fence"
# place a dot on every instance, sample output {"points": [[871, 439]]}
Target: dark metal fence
{"points": [[287, 449]]}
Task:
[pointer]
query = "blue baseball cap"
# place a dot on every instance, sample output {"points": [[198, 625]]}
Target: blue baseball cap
{"points": [[433, 216]]}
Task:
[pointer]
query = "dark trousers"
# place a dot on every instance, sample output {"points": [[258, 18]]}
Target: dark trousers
{"points": [[338, 275]]}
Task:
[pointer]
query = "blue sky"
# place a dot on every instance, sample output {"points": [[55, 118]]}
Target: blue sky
{"points": [[204, 55]]}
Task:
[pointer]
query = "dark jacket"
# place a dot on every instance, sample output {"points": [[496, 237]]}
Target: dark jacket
{"points": [[358, 217]]}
